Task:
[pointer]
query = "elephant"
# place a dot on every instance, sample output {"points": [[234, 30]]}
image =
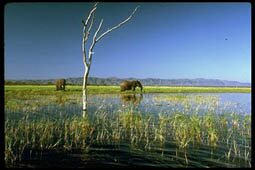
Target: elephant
{"points": [[60, 84], [130, 85]]}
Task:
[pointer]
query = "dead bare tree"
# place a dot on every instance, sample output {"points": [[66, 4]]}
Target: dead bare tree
{"points": [[87, 25]]}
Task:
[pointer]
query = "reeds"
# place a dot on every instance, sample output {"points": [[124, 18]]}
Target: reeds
{"points": [[184, 135], [140, 131]]}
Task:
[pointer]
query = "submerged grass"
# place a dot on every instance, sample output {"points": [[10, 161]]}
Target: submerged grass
{"points": [[180, 139], [143, 132]]}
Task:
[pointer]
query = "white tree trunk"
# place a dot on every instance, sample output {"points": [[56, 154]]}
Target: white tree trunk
{"points": [[84, 99], [85, 91], [87, 62], [84, 107]]}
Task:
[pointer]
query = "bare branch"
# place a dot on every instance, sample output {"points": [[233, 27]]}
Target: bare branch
{"points": [[83, 46], [92, 12], [94, 41], [91, 23], [87, 20], [96, 4], [86, 32], [117, 26], [90, 26]]}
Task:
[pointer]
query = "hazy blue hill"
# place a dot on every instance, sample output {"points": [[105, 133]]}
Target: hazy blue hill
{"points": [[147, 81]]}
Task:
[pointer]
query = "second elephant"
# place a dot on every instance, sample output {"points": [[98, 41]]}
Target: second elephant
{"points": [[130, 85], [60, 84]]}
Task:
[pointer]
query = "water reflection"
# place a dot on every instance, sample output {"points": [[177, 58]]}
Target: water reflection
{"points": [[60, 99], [131, 98], [156, 103]]}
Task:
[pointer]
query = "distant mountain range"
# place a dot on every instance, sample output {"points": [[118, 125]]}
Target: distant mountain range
{"points": [[146, 81]]}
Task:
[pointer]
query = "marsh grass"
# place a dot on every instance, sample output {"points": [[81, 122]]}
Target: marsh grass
{"points": [[143, 132], [36, 123]]}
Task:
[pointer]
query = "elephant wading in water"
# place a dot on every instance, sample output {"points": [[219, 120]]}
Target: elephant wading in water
{"points": [[60, 84], [130, 85]]}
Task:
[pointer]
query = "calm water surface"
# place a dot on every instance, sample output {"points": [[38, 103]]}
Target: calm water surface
{"points": [[123, 154], [158, 103]]}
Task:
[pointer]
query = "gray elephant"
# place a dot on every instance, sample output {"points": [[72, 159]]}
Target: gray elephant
{"points": [[60, 84], [130, 85]]}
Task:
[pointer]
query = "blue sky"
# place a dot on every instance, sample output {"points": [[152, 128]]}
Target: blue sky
{"points": [[162, 40]]}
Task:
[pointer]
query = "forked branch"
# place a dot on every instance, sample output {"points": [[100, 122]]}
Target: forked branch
{"points": [[117, 26]]}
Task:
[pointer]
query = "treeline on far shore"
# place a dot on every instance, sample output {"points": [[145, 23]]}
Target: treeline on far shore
{"points": [[112, 81]]}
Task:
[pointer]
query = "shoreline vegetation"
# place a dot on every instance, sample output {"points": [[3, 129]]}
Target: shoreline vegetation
{"points": [[147, 82], [116, 89], [41, 122]]}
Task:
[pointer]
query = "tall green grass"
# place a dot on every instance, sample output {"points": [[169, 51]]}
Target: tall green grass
{"points": [[140, 131], [182, 138]]}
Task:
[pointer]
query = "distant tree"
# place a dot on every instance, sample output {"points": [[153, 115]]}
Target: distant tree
{"points": [[87, 25]]}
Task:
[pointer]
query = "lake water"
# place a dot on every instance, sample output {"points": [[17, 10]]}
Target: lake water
{"points": [[167, 103], [157, 103], [121, 154], [163, 103]]}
